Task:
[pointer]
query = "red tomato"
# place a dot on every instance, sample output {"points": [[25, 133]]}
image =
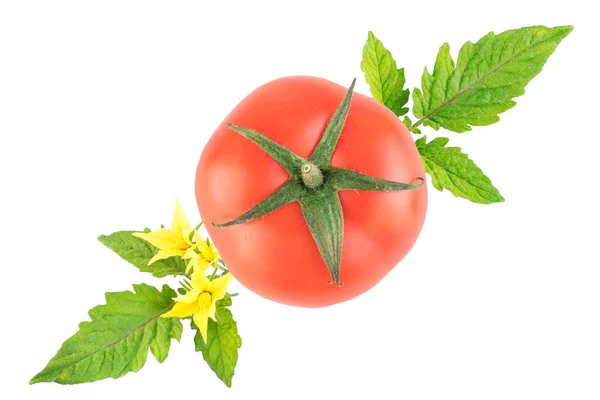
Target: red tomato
{"points": [[275, 256]]}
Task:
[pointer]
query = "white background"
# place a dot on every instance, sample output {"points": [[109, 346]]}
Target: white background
{"points": [[104, 110]]}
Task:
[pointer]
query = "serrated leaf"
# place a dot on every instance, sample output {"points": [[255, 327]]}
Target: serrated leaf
{"points": [[383, 76], [222, 343], [117, 339], [487, 77], [409, 125], [453, 170], [138, 252]]}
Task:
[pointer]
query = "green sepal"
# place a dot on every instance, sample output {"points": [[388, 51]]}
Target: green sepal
{"points": [[323, 214], [287, 159], [289, 192], [324, 150], [345, 179]]}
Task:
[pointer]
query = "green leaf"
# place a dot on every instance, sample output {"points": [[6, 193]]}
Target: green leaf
{"points": [[117, 339], [223, 341], [487, 76], [453, 170], [139, 252], [383, 76], [409, 125]]}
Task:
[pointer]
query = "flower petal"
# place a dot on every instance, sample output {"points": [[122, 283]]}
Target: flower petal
{"points": [[189, 297], [200, 243], [202, 264], [218, 287], [211, 312], [185, 234], [209, 253], [198, 264], [200, 281], [162, 238], [180, 221], [190, 253], [162, 254], [201, 321], [181, 310]]}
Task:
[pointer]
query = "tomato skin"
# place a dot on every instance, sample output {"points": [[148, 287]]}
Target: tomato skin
{"points": [[275, 256]]}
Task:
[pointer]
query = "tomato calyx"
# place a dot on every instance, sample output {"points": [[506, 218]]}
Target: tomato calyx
{"points": [[314, 183]]}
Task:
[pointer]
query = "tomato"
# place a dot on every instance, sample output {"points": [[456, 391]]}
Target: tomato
{"points": [[276, 255]]}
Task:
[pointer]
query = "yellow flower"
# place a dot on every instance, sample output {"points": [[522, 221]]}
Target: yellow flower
{"points": [[204, 255], [199, 303], [170, 242]]}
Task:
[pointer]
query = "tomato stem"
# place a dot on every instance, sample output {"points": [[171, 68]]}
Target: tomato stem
{"points": [[311, 175]]}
